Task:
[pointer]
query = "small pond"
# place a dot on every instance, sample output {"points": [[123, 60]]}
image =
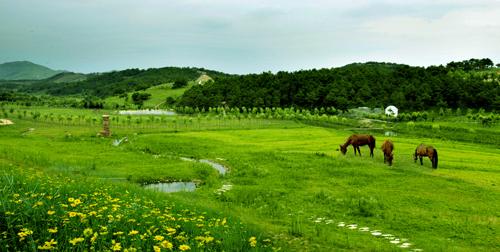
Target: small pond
{"points": [[147, 112], [172, 187]]}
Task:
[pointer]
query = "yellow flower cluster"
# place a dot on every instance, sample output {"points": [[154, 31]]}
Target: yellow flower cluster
{"points": [[73, 216]]}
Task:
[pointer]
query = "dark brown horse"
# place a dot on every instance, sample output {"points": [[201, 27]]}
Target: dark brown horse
{"points": [[426, 151], [387, 148], [359, 140]]}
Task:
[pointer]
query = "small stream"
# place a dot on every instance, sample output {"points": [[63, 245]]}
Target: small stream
{"points": [[220, 168]]}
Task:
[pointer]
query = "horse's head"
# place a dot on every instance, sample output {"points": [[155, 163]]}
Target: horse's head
{"points": [[390, 158], [415, 156], [343, 149]]}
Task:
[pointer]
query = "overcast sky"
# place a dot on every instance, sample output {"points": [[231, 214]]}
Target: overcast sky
{"points": [[246, 36]]}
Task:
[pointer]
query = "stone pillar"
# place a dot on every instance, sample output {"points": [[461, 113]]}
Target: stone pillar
{"points": [[105, 126]]}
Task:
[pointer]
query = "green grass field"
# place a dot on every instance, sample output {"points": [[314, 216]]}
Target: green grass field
{"points": [[158, 93], [291, 188]]}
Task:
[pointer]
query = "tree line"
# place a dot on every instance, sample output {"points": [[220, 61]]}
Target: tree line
{"points": [[369, 84]]}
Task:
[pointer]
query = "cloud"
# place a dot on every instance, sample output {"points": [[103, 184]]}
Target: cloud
{"points": [[245, 36]]}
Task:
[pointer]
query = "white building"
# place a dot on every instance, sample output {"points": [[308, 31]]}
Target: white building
{"points": [[391, 111]]}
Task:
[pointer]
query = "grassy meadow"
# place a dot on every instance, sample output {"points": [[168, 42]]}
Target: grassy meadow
{"points": [[291, 189]]}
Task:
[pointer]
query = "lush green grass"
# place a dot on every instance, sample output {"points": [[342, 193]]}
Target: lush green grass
{"points": [[287, 177]]}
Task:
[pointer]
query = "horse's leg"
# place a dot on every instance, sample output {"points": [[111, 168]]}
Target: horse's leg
{"points": [[371, 151], [385, 158], [421, 160], [359, 151], [354, 147]]}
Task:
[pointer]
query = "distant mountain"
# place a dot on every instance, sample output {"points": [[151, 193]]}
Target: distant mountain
{"points": [[25, 70]]}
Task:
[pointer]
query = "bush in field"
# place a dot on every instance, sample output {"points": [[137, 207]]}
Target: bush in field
{"points": [[139, 98]]}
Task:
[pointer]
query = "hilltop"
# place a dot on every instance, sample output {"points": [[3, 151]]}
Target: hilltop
{"points": [[25, 70]]}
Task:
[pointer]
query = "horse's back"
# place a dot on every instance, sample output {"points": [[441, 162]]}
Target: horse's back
{"points": [[424, 150], [362, 138], [387, 146]]}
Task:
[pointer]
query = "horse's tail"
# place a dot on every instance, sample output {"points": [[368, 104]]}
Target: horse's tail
{"points": [[435, 159]]}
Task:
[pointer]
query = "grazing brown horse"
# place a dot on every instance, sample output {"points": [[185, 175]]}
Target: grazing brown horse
{"points": [[426, 151], [359, 140], [387, 148]]}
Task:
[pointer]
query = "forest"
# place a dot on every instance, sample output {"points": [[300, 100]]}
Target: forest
{"points": [[369, 84]]}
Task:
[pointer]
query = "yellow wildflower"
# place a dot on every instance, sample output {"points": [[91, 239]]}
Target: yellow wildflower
{"points": [[53, 230], [94, 238], [184, 247], [71, 200], [38, 203], [72, 214], [48, 245], [87, 232], [171, 231], [76, 240], [252, 241], [156, 248], [166, 244], [24, 233], [51, 212], [131, 249], [133, 232], [116, 246], [209, 239], [159, 238], [118, 233]]}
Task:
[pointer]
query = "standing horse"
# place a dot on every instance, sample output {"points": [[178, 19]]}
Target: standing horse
{"points": [[359, 140], [426, 151], [387, 148]]}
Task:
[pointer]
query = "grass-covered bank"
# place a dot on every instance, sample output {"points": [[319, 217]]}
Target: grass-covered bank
{"points": [[289, 182]]}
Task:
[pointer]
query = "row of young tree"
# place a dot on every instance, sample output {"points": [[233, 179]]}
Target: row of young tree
{"points": [[332, 114], [355, 85]]}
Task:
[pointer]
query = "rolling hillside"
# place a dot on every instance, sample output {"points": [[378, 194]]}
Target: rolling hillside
{"points": [[121, 82], [25, 70]]}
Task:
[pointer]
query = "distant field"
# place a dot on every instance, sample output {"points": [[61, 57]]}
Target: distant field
{"points": [[289, 183]]}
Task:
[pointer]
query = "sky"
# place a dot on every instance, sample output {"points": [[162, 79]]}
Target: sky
{"points": [[248, 36]]}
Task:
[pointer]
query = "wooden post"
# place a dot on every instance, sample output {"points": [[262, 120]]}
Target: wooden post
{"points": [[105, 126]]}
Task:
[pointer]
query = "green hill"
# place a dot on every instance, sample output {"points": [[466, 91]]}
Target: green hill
{"points": [[68, 77], [369, 84], [25, 70], [159, 95], [120, 82]]}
